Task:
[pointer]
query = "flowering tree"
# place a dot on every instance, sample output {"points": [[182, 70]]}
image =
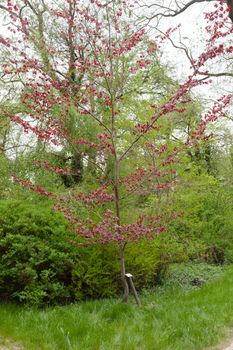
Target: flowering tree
{"points": [[90, 93]]}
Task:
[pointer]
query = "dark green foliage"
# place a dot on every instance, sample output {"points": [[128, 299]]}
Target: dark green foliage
{"points": [[34, 271], [36, 263], [39, 265]]}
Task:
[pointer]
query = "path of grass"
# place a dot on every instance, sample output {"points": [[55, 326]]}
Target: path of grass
{"points": [[171, 320]]}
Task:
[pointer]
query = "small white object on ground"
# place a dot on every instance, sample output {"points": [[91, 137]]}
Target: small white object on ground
{"points": [[128, 275]]}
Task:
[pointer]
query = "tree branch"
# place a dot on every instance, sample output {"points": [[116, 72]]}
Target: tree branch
{"points": [[173, 13]]}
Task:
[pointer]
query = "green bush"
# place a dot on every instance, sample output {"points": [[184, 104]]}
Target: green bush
{"points": [[217, 225], [97, 276], [36, 261], [39, 266], [206, 227]]}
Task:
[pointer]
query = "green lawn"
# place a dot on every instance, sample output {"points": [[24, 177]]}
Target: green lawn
{"points": [[170, 319]]}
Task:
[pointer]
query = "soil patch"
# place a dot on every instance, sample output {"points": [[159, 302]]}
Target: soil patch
{"points": [[6, 344]]}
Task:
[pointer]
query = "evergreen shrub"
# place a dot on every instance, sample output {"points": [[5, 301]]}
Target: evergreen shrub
{"points": [[39, 266]]}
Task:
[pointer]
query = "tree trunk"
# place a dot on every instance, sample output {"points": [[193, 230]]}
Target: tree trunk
{"points": [[123, 278], [121, 244]]}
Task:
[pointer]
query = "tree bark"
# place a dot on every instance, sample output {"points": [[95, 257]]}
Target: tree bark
{"points": [[123, 278], [122, 244]]}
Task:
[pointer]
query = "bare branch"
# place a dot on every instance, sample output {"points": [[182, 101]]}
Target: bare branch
{"points": [[173, 13]]}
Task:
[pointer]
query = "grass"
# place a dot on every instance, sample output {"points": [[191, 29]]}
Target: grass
{"points": [[169, 319]]}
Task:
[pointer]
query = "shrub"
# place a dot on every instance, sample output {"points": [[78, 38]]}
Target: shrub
{"points": [[206, 227], [36, 261], [39, 266]]}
